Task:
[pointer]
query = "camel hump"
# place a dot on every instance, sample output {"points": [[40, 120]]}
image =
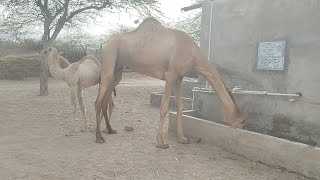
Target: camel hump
{"points": [[149, 24], [90, 57]]}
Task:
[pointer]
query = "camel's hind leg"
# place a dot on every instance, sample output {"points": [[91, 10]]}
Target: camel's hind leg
{"points": [[105, 108], [179, 107], [111, 107], [83, 110], [170, 80], [108, 64], [105, 90], [117, 79]]}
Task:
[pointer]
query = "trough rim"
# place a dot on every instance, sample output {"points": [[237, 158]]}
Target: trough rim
{"points": [[308, 170]]}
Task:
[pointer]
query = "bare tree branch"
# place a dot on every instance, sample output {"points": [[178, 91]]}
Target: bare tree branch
{"points": [[104, 5], [58, 11], [44, 8], [192, 7]]}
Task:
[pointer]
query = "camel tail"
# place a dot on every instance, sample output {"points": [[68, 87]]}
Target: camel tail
{"points": [[114, 89], [232, 115]]}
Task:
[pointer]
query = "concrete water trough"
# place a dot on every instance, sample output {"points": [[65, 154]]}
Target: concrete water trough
{"points": [[274, 151], [187, 85], [156, 97]]}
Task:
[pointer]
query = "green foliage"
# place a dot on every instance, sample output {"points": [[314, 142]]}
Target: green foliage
{"points": [[75, 45], [120, 29], [191, 26], [71, 50]]}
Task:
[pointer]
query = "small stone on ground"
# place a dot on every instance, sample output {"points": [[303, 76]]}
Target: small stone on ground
{"points": [[128, 128]]}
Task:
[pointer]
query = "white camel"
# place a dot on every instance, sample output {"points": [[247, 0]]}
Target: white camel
{"points": [[79, 75]]}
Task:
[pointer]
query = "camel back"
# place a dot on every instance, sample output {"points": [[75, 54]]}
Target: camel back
{"points": [[149, 24]]}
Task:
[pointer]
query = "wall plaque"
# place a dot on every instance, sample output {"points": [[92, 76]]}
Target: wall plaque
{"points": [[271, 55]]}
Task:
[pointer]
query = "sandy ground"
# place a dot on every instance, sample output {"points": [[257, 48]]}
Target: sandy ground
{"points": [[34, 145]]}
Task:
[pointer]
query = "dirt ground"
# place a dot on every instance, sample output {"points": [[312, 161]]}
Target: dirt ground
{"points": [[40, 140]]}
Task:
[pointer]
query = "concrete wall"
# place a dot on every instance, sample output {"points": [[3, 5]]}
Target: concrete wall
{"points": [[237, 28]]}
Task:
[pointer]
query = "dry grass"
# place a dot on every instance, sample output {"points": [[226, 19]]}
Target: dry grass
{"points": [[18, 67]]}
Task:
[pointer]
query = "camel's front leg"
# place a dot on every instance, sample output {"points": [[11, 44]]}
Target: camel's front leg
{"points": [[170, 79], [73, 91], [83, 110], [179, 107]]}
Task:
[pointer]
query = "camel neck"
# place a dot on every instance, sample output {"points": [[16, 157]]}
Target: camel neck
{"points": [[54, 67]]}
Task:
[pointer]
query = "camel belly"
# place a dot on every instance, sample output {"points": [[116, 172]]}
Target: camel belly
{"points": [[155, 70], [88, 76], [149, 58]]}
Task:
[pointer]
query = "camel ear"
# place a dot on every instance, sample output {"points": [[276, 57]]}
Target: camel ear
{"points": [[50, 49]]}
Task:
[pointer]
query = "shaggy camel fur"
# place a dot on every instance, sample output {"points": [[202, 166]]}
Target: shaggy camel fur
{"points": [[78, 75], [166, 54]]}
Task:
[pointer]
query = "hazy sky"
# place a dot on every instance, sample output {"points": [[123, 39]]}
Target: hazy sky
{"points": [[109, 21], [170, 8]]}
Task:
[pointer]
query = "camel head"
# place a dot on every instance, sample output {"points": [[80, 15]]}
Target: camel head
{"points": [[239, 123], [46, 51], [235, 120], [49, 53]]}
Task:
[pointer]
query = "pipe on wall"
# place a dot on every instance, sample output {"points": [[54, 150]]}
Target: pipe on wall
{"points": [[210, 30], [237, 91]]}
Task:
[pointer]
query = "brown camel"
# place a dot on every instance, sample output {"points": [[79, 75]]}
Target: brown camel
{"points": [[78, 75], [166, 54]]}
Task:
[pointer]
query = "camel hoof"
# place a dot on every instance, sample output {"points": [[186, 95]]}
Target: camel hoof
{"points": [[100, 140], [104, 131], [163, 146], [183, 140], [112, 132]]}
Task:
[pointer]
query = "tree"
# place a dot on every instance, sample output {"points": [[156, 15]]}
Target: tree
{"points": [[191, 26], [191, 22], [54, 15], [118, 30]]}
